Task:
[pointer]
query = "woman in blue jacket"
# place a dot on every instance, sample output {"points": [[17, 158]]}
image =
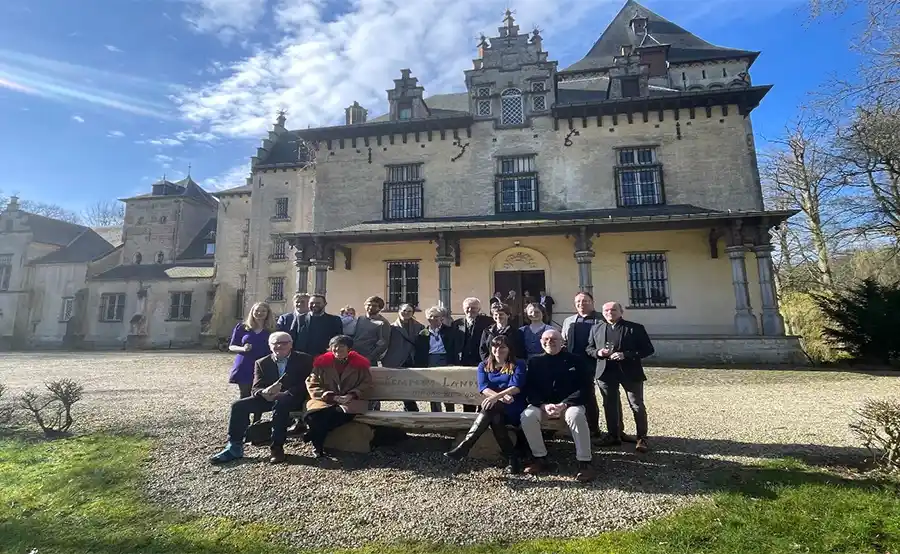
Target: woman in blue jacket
{"points": [[500, 380]]}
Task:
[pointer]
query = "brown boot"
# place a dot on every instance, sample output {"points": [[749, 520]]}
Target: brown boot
{"points": [[276, 454], [642, 446], [536, 467], [586, 472]]}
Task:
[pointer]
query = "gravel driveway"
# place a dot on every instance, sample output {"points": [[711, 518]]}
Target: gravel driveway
{"points": [[701, 420]]}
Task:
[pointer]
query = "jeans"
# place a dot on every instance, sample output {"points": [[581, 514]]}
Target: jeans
{"points": [[281, 416], [575, 420], [321, 422], [612, 406]]}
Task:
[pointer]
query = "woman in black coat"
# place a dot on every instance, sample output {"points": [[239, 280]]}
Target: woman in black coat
{"points": [[501, 326]]}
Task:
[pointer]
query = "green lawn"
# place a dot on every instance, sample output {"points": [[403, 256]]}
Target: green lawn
{"points": [[83, 495]]}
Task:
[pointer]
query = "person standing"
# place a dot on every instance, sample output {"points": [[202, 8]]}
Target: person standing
{"points": [[502, 327], [470, 328], [316, 328], [437, 345], [516, 308], [401, 350], [557, 385], [534, 330], [371, 335], [618, 346], [576, 331], [290, 322], [547, 302], [250, 341]]}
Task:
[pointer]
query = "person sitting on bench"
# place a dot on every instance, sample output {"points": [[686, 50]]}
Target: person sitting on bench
{"points": [[500, 379], [557, 386], [279, 386], [337, 386]]}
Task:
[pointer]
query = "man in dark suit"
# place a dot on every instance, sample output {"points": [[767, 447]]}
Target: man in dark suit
{"points": [[279, 386], [619, 345], [313, 330], [437, 345], [286, 322], [470, 328], [547, 302]]}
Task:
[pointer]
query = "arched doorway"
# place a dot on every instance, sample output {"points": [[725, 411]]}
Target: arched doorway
{"points": [[523, 270]]}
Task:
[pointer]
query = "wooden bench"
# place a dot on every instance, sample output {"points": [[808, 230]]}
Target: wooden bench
{"points": [[457, 385]]}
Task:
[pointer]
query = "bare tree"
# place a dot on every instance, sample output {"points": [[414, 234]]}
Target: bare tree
{"points": [[801, 173], [104, 213], [42, 208], [877, 79]]}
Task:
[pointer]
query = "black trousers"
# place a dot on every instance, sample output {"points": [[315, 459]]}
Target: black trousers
{"points": [[281, 416], [321, 422], [245, 389], [612, 406]]}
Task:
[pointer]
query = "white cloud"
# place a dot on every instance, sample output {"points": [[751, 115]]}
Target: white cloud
{"points": [[161, 142], [162, 159], [321, 61], [78, 118], [224, 17], [115, 134], [234, 177], [112, 48]]}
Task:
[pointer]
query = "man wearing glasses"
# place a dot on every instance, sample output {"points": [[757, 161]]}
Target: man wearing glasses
{"points": [[279, 386]]}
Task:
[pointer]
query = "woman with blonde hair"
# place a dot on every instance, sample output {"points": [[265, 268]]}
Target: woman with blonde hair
{"points": [[250, 341]]}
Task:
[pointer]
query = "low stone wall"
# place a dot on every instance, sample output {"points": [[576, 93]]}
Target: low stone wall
{"points": [[725, 350]]}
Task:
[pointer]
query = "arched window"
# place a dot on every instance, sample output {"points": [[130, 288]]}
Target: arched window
{"points": [[160, 257], [511, 111], [137, 258]]}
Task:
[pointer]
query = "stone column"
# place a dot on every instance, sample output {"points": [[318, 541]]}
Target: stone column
{"points": [[744, 321], [444, 260], [584, 255], [771, 319], [321, 276], [302, 265]]}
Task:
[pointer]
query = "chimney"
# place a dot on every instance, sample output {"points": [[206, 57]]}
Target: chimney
{"points": [[13, 205], [355, 114]]}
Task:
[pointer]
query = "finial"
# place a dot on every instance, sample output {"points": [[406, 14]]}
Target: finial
{"points": [[189, 170], [508, 19], [282, 117], [164, 177]]}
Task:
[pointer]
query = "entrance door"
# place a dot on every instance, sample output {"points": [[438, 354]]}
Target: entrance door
{"points": [[532, 282]]}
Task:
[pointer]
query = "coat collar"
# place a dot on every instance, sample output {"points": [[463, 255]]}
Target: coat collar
{"points": [[354, 360]]}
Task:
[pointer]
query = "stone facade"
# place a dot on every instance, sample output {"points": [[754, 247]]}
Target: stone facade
{"points": [[64, 285], [631, 174]]}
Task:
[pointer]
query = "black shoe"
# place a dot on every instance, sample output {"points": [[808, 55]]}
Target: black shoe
{"points": [[456, 454], [514, 465], [628, 438], [298, 428], [608, 440]]}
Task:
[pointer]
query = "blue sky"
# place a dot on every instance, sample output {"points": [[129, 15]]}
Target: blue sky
{"points": [[98, 98]]}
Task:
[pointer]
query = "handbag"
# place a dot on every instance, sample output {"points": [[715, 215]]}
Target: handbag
{"points": [[259, 433]]}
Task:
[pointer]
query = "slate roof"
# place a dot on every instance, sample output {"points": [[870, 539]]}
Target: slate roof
{"points": [[112, 235], [158, 272], [47, 230], [86, 247], [684, 46], [196, 250], [244, 189], [455, 103], [190, 189]]}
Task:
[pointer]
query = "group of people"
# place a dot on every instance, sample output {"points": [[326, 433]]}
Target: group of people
{"points": [[319, 362]]}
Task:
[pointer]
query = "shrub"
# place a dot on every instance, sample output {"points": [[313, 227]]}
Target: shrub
{"points": [[879, 429], [863, 320], [7, 408], [804, 318], [53, 412]]}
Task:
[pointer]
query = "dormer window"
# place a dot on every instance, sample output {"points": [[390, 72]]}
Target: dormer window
{"points": [[210, 248], [630, 87], [538, 100], [404, 113], [484, 101], [512, 112], [137, 258]]}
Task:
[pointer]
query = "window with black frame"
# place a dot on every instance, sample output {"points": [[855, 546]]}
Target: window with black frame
{"points": [[648, 280], [516, 184], [404, 189], [639, 177], [180, 306], [402, 284]]}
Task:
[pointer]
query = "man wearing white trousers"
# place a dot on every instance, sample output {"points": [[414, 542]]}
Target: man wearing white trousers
{"points": [[557, 385]]}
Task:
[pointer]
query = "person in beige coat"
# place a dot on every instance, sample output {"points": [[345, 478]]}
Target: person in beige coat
{"points": [[337, 385]]}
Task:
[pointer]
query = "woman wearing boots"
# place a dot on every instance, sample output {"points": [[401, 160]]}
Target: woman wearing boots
{"points": [[500, 379]]}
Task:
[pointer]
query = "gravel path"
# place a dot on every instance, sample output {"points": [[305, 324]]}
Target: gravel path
{"points": [[701, 420]]}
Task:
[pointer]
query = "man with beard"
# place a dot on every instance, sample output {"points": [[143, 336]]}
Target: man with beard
{"points": [[316, 328]]}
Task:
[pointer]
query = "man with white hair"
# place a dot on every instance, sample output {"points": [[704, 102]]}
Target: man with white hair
{"points": [[557, 385], [279, 386], [618, 346], [471, 327]]}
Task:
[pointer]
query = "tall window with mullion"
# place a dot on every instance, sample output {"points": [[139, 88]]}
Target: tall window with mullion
{"points": [[5, 270], [402, 284], [112, 307], [516, 184], [279, 249], [648, 280], [403, 192], [180, 306], [639, 177]]}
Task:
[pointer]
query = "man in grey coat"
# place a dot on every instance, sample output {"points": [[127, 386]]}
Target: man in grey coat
{"points": [[372, 335]]}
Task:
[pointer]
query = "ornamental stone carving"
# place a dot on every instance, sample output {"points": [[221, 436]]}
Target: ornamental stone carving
{"points": [[518, 261]]}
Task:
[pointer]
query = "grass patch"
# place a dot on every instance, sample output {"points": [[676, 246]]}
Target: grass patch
{"points": [[83, 495]]}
